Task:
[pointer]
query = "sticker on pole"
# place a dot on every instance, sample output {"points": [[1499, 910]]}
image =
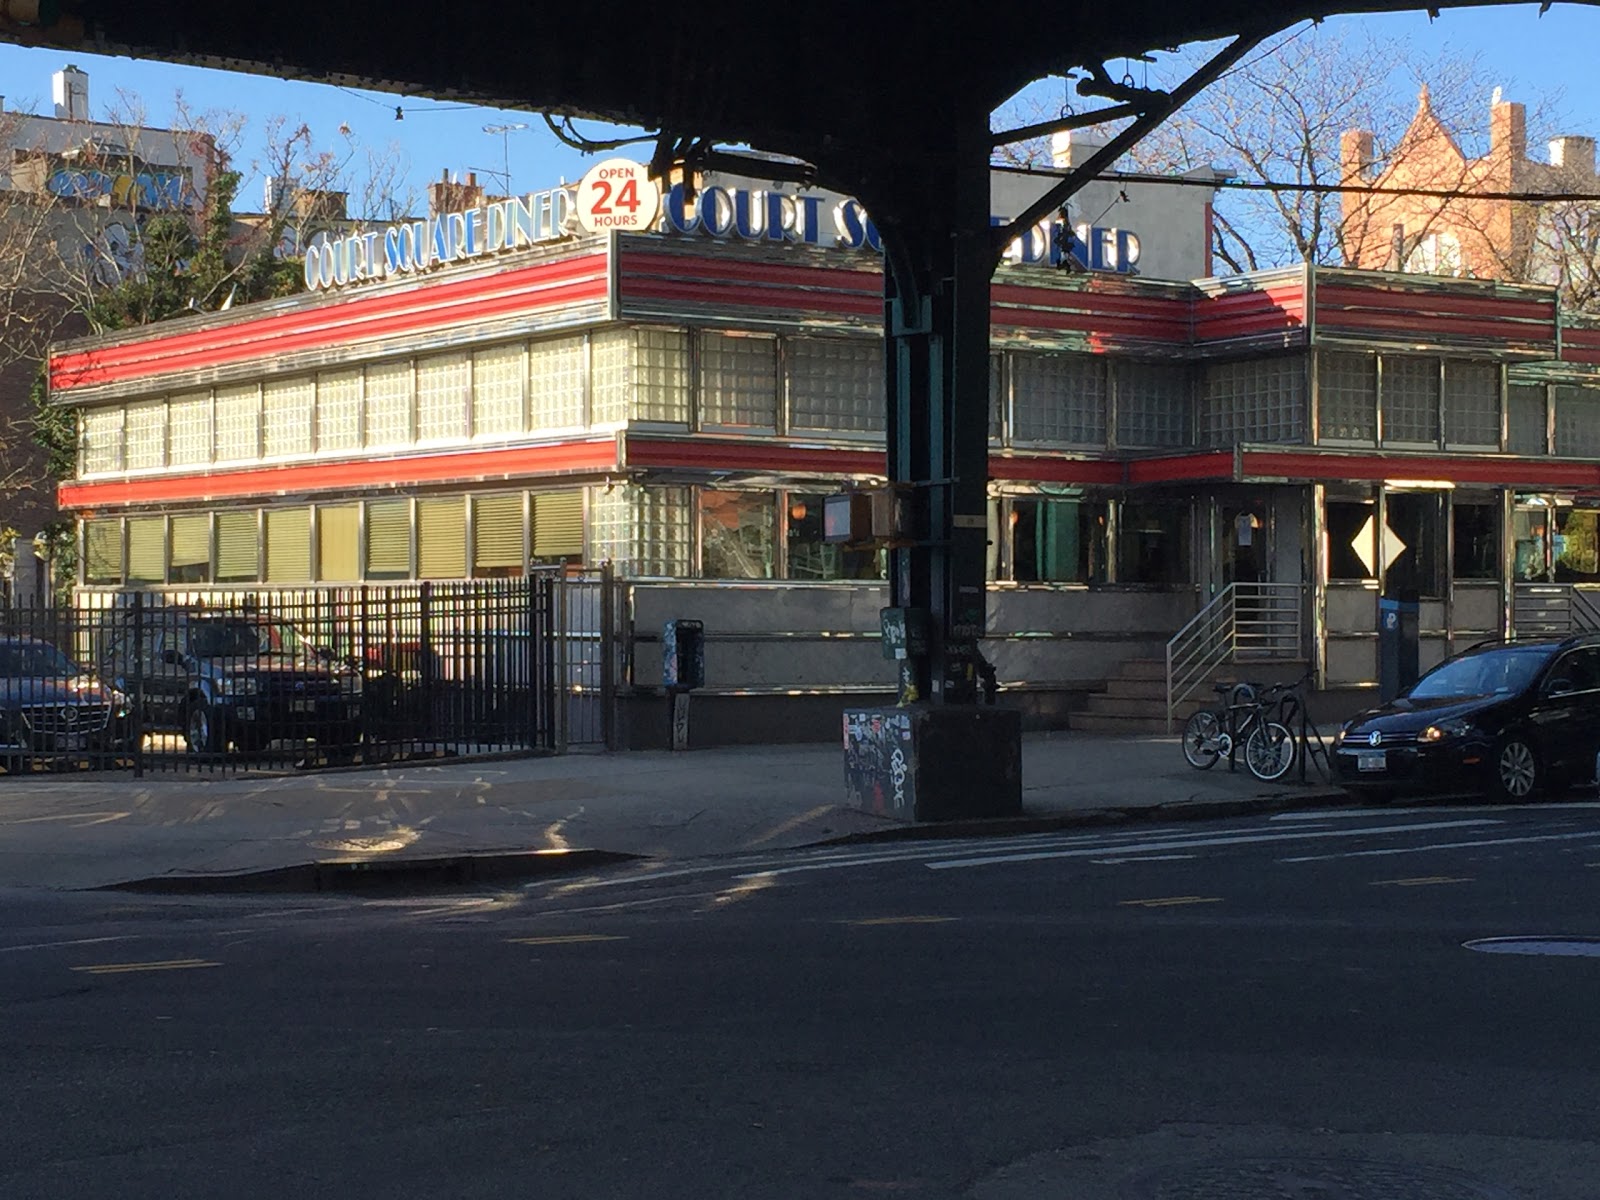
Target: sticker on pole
{"points": [[617, 194]]}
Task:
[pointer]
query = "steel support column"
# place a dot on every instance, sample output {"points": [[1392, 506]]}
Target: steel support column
{"points": [[936, 298]]}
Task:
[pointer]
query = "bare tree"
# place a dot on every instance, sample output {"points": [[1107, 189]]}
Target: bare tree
{"points": [[1278, 122]]}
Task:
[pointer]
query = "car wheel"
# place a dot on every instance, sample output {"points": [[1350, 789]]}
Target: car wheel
{"points": [[1202, 739], [1516, 770], [200, 729]]}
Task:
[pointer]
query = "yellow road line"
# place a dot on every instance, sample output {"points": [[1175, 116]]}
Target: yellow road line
{"points": [[1172, 901], [567, 939], [1419, 881], [171, 964], [898, 921]]}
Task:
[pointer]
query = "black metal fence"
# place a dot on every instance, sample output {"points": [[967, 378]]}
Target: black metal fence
{"points": [[227, 681]]}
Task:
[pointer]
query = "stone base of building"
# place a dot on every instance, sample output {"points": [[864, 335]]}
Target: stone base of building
{"points": [[934, 762]]}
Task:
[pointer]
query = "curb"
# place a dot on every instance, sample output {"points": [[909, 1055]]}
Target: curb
{"points": [[374, 875], [1183, 810]]}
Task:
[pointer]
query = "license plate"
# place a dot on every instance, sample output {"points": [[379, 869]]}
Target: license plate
{"points": [[1372, 760], [303, 706]]}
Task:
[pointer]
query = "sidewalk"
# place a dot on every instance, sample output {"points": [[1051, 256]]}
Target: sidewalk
{"points": [[89, 831]]}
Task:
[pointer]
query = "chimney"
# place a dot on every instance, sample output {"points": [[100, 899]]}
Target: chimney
{"points": [[450, 197], [1356, 155], [1508, 131], [1071, 147], [1573, 153], [70, 90]]}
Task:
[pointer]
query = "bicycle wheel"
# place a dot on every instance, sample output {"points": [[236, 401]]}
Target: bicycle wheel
{"points": [[1269, 751], [1202, 739]]}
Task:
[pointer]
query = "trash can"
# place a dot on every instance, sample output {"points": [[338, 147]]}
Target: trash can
{"points": [[683, 668], [1397, 644]]}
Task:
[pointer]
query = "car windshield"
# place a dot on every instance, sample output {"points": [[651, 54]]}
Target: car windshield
{"points": [[244, 639], [23, 660], [1488, 673]]}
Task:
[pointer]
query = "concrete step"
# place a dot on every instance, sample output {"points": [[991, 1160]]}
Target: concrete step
{"points": [[1134, 706], [1091, 723], [1154, 690], [1143, 668]]}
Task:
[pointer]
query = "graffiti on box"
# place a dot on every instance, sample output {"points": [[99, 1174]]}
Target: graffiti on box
{"points": [[877, 761]]}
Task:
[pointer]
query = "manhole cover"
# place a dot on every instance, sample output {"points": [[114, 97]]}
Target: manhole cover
{"points": [[1305, 1179], [1560, 947]]}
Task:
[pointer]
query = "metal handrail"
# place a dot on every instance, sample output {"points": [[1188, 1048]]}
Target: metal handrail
{"points": [[1258, 621]]}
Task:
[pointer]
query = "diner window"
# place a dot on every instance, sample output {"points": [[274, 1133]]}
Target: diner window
{"points": [[238, 423], [189, 558], [388, 540], [1347, 397], [339, 543], [339, 411], [499, 526], [102, 440], [610, 370], [1410, 400], [1577, 422], [442, 537], [189, 434], [1530, 538], [147, 550], [1476, 533], [1525, 413], [997, 397], [1416, 553], [238, 546], [1154, 405], [444, 386], [1153, 543], [1058, 540], [1576, 548], [1059, 398], [736, 534], [102, 552], [1472, 404], [738, 381], [146, 426], [558, 527], [388, 400], [498, 376], [288, 417], [288, 545], [664, 519], [557, 370], [809, 557], [661, 375], [1352, 527], [836, 384]]}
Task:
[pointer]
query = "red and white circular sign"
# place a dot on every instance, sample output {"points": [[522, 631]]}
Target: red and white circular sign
{"points": [[617, 194]]}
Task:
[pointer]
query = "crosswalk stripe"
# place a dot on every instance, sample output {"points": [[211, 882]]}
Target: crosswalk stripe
{"points": [[1243, 839], [171, 964], [1171, 901], [567, 939], [1424, 849]]}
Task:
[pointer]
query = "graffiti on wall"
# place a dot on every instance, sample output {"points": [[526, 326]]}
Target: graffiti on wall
{"points": [[148, 188]]}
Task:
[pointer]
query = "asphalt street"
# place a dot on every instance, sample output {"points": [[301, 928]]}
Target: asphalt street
{"points": [[1311, 1006]]}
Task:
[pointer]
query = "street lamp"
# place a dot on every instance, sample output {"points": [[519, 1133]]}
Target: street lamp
{"points": [[505, 132]]}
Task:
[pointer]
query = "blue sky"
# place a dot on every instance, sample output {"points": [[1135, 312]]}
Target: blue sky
{"points": [[1526, 53]]}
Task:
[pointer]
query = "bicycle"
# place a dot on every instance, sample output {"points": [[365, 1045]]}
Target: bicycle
{"points": [[1245, 717]]}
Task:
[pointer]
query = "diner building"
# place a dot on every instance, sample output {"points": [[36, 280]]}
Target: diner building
{"points": [[673, 405]]}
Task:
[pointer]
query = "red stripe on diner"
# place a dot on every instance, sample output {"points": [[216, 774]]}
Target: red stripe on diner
{"points": [[1146, 329], [1180, 467], [474, 466], [1443, 323], [773, 297], [1432, 302], [1056, 470], [331, 324], [659, 264], [711, 455], [1495, 471]]}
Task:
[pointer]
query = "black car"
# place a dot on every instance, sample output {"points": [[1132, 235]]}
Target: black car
{"points": [[51, 708], [232, 679], [1505, 718]]}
